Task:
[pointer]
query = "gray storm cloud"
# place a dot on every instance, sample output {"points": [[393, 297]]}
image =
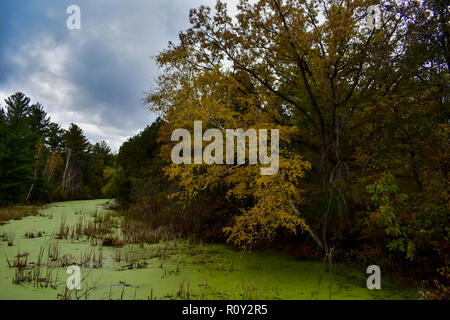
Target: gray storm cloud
{"points": [[96, 77]]}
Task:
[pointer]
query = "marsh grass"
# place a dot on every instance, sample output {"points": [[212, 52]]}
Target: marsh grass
{"points": [[139, 232], [32, 235], [95, 226], [91, 259], [63, 231], [110, 231], [39, 274], [17, 213], [8, 238], [82, 294], [43, 272]]}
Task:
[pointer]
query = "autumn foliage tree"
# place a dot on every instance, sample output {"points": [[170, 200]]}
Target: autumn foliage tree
{"points": [[221, 102], [353, 104]]}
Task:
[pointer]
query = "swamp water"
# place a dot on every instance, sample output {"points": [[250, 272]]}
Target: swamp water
{"points": [[33, 266]]}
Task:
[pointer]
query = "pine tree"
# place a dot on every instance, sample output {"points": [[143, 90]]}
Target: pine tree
{"points": [[39, 122], [20, 141], [54, 138], [101, 149], [39, 126], [3, 130], [3, 147], [39, 161], [77, 149]]}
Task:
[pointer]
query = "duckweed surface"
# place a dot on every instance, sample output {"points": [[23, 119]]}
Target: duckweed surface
{"points": [[33, 263]]}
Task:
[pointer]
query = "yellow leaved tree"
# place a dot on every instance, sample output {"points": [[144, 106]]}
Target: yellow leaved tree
{"points": [[320, 71], [222, 103]]}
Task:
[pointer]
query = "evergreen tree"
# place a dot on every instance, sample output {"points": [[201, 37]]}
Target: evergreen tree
{"points": [[3, 147], [20, 142], [3, 130], [137, 153], [39, 161], [39, 122], [77, 149], [54, 138], [101, 149], [39, 126], [75, 140], [139, 168]]}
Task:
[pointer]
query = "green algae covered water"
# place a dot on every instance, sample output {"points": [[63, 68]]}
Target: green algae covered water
{"points": [[34, 267]]}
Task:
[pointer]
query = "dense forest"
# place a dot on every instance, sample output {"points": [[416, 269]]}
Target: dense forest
{"points": [[41, 162], [363, 116], [364, 132]]}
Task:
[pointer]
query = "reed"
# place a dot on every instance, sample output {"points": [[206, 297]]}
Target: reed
{"points": [[118, 256], [17, 212], [32, 235], [67, 295], [53, 251], [10, 239], [188, 292], [180, 292], [63, 231]]}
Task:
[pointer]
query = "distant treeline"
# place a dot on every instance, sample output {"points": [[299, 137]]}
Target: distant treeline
{"points": [[142, 189], [40, 161]]}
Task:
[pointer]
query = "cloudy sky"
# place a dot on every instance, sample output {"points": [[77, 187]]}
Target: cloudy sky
{"points": [[97, 76]]}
